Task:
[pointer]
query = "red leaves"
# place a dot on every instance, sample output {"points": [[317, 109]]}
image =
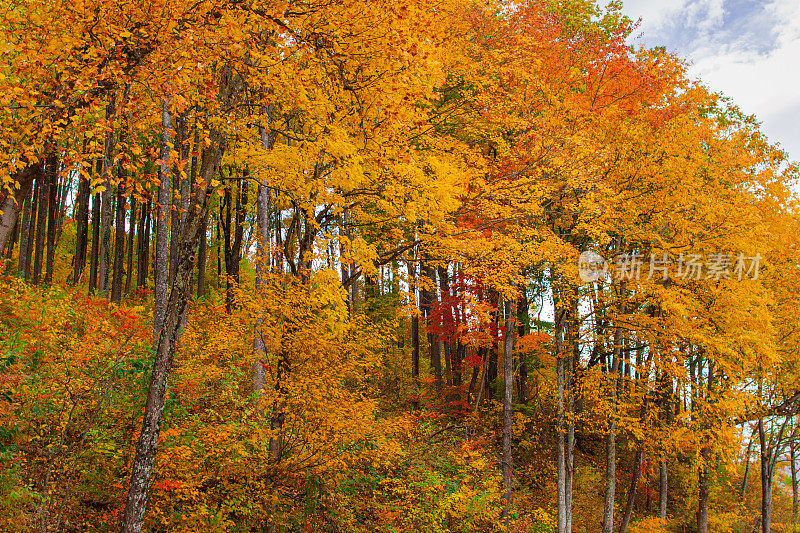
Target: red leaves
{"points": [[168, 485]]}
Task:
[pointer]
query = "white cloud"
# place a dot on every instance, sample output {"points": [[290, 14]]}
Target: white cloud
{"points": [[748, 50], [653, 14]]}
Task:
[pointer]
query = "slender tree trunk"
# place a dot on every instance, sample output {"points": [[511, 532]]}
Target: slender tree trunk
{"points": [[82, 231], [167, 340], [161, 266], [41, 226], [64, 188], [703, 493], [93, 262], [143, 245], [492, 357], [573, 349], [412, 273], [705, 458], [561, 500], [10, 246], [448, 321], [561, 430], [746, 476], [666, 415], [766, 479], [11, 203], [263, 210], [522, 329], [119, 239], [24, 238], [52, 216], [795, 487], [131, 237], [175, 202], [663, 485], [637, 471], [106, 220], [770, 451], [508, 392], [611, 435], [202, 258], [107, 214], [233, 227], [428, 295]]}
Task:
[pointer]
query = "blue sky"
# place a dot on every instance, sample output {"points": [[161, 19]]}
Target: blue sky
{"points": [[749, 50]]}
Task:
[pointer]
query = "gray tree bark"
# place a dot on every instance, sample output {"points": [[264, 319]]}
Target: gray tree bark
{"points": [[52, 216], [561, 430], [161, 266], [43, 187], [82, 231], [167, 342], [793, 468], [508, 392], [11, 200], [611, 435], [263, 209], [106, 215], [129, 247], [24, 238], [119, 239]]}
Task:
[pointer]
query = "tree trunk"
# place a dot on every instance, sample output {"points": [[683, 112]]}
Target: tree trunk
{"points": [[703, 493], [167, 341], [663, 482], [428, 295], [12, 240], [43, 185], [32, 230], [263, 209], [64, 189], [175, 202], [793, 468], [492, 356], [705, 457], [449, 322], [202, 258], [52, 216], [561, 451], [161, 266], [573, 351], [637, 471], [96, 199], [11, 203], [119, 239], [766, 479], [106, 215], [143, 245], [508, 392], [770, 451], [522, 329], [234, 231], [611, 435], [565, 346], [667, 402], [25, 233], [412, 274], [131, 237], [746, 476], [82, 231]]}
